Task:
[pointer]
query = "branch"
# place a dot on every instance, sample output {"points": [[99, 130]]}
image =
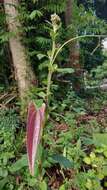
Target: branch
{"points": [[94, 50], [76, 38]]}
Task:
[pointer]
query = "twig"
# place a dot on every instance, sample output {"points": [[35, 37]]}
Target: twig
{"points": [[13, 97], [3, 96], [98, 45]]}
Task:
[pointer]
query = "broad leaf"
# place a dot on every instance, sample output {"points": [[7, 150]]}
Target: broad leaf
{"points": [[43, 185], [63, 161], [3, 182], [62, 187], [100, 138], [19, 164]]}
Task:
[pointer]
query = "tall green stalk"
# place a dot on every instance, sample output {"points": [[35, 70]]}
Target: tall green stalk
{"points": [[55, 23], [50, 72]]}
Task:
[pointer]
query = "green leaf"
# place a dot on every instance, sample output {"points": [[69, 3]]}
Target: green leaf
{"points": [[87, 160], [31, 181], [43, 185], [34, 1], [88, 184], [65, 70], [105, 184], [3, 172], [100, 139], [100, 176], [39, 103], [87, 140], [105, 153], [19, 164], [35, 13], [62, 187], [3, 182], [43, 65], [40, 56], [42, 95], [63, 161], [104, 170], [92, 156]]}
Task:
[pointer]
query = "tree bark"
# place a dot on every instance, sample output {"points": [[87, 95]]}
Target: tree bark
{"points": [[74, 50], [23, 72]]}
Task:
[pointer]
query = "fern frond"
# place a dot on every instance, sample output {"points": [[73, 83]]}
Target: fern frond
{"points": [[52, 5]]}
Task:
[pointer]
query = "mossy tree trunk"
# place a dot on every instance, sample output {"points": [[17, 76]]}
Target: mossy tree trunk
{"points": [[23, 72]]}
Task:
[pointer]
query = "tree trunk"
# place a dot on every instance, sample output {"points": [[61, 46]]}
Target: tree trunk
{"points": [[74, 51], [23, 72]]}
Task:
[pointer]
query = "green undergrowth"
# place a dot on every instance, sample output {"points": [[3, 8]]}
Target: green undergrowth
{"points": [[74, 155]]}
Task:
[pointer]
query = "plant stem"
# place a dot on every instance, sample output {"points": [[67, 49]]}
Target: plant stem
{"points": [[50, 72], [73, 39], [48, 88]]}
